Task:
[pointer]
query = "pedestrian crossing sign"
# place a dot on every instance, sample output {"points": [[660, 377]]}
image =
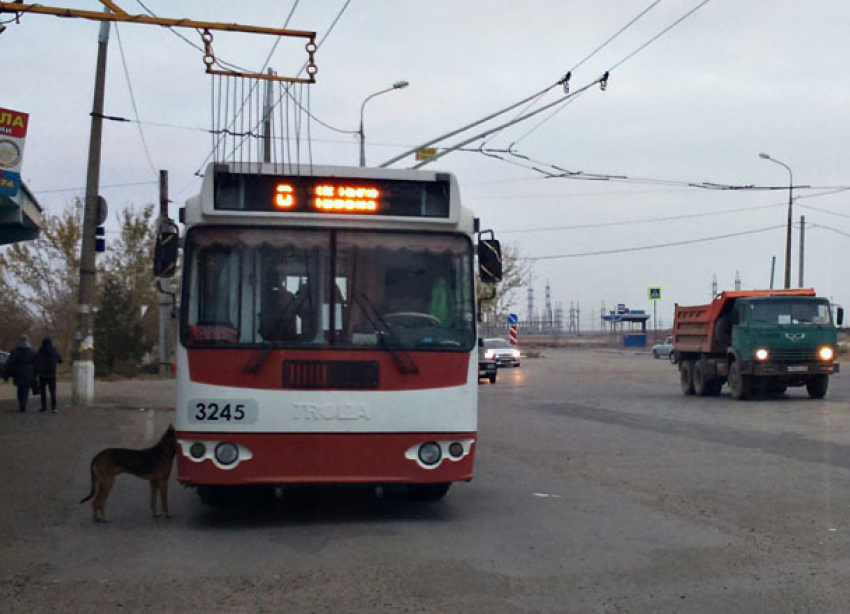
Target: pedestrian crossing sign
{"points": [[655, 294]]}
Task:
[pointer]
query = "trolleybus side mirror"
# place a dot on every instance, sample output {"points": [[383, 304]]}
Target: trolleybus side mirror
{"points": [[839, 316], [166, 250], [489, 260]]}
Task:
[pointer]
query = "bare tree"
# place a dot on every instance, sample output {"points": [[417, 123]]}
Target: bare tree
{"points": [[40, 277]]}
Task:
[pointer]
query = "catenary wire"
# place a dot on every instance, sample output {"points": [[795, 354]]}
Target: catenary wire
{"points": [[642, 221], [657, 246], [133, 101]]}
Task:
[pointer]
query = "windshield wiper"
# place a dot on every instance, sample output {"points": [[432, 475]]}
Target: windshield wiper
{"points": [[405, 361], [281, 324]]}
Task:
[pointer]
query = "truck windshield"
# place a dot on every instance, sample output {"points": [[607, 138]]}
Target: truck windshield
{"points": [[790, 311], [327, 288]]}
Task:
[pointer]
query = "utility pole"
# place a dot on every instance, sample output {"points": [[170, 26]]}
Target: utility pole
{"points": [[772, 271], [164, 285], [802, 246], [83, 377], [267, 121]]}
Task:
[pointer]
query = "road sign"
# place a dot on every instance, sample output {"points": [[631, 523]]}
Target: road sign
{"points": [[655, 294], [512, 334], [513, 318], [426, 153]]}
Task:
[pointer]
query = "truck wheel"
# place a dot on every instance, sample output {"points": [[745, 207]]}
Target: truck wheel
{"points": [[713, 387], [686, 376], [702, 384], [817, 386], [739, 384]]}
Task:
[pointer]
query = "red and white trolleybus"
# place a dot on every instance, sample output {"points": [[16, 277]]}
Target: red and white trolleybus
{"points": [[327, 329]]}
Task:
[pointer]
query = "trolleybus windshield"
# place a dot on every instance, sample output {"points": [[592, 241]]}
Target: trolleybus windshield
{"points": [[327, 288]]}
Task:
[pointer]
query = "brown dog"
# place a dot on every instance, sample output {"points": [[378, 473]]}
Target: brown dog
{"points": [[152, 464]]}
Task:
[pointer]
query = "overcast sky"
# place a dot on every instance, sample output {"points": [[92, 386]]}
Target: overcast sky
{"points": [[697, 105]]}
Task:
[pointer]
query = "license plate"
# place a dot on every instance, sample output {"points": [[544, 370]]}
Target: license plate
{"points": [[798, 368]]}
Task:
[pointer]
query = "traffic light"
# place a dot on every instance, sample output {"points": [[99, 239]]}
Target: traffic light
{"points": [[100, 240]]}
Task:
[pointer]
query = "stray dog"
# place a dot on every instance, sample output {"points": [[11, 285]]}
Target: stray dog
{"points": [[152, 464]]}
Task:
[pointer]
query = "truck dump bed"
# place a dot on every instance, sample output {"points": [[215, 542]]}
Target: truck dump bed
{"points": [[706, 328]]}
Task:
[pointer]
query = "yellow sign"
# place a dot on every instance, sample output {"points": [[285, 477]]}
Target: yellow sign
{"points": [[425, 153]]}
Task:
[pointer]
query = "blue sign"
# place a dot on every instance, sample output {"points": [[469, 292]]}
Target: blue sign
{"points": [[513, 318], [9, 183]]}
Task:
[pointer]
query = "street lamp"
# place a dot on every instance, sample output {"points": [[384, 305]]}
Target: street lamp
{"points": [[764, 156], [398, 85]]}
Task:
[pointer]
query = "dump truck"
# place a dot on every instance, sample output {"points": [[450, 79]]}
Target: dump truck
{"points": [[757, 342]]}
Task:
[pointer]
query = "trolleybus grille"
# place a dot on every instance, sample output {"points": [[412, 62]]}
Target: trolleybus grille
{"points": [[330, 374]]}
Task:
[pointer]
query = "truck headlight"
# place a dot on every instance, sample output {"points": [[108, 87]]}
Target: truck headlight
{"points": [[826, 353], [762, 354]]}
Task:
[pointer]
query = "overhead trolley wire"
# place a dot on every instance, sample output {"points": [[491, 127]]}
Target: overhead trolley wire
{"points": [[642, 221], [658, 246], [133, 101]]}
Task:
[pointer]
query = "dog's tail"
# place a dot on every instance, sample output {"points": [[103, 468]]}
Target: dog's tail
{"points": [[91, 494]]}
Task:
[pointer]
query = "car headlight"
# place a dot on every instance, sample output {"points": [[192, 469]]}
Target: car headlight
{"points": [[826, 353], [762, 354], [490, 354], [515, 353]]}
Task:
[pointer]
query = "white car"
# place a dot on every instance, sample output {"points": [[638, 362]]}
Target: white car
{"points": [[503, 352], [665, 348]]}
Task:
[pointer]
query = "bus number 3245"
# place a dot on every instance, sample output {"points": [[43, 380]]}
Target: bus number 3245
{"points": [[212, 412]]}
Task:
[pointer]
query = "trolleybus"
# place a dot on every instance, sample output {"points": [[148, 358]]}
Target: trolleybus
{"points": [[327, 329]]}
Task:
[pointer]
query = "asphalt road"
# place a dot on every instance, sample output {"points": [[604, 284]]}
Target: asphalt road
{"points": [[599, 488]]}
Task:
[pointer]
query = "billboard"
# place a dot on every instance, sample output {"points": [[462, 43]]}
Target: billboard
{"points": [[13, 132]]}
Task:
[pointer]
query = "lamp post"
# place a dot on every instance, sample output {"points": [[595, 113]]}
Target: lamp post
{"points": [[398, 85], [764, 156]]}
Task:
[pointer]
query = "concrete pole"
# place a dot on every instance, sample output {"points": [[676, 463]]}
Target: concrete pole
{"points": [[802, 245], [83, 354]]}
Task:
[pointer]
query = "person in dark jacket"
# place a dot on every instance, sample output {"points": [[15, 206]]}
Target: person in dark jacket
{"points": [[48, 358], [21, 368]]}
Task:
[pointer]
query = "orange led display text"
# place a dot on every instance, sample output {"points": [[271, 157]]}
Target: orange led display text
{"points": [[283, 197], [346, 198]]}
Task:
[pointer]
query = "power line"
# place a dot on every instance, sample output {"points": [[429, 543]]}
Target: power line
{"points": [[658, 246], [133, 101], [574, 68], [830, 228], [82, 189], [659, 35], [641, 221]]}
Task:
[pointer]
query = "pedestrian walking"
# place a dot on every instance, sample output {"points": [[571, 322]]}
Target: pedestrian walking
{"points": [[46, 361], [21, 367]]}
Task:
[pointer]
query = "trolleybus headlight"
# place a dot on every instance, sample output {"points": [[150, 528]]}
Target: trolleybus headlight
{"points": [[198, 450], [226, 453], [826, 353], [430, 453], [456, 449], [762, 354]]}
